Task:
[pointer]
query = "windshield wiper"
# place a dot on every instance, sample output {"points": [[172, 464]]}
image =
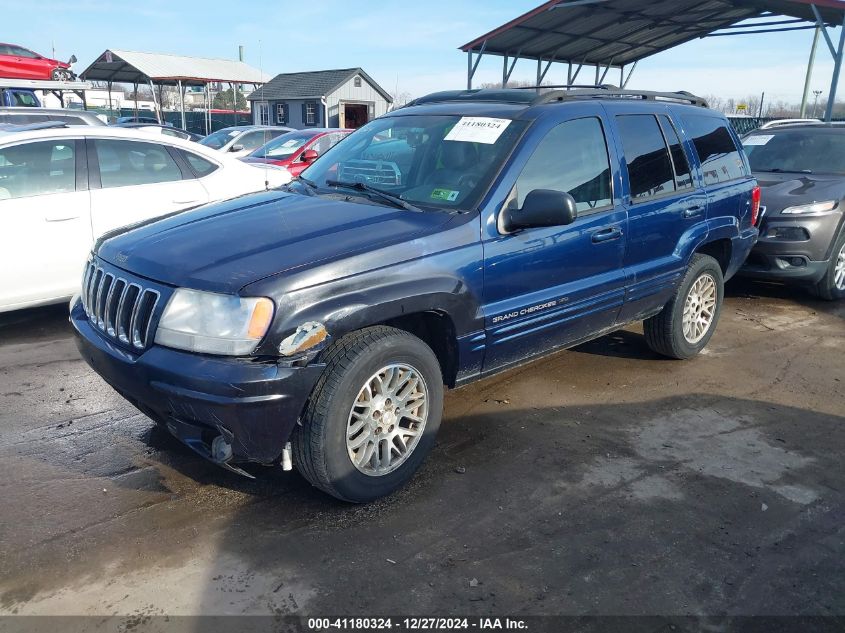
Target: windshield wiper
{"points": [[364, 187], [312, 186], [778, 170]]}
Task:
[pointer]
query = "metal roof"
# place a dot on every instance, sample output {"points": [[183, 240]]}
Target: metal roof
{"points": [[617, 32], [312, 85], [162, 68]]}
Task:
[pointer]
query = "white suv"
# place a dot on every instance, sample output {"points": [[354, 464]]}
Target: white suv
{"points": [[61, 188]]}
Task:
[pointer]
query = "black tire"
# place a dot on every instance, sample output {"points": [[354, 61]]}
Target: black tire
{"points": [[319, 442], [664, 332], [826, 288]]}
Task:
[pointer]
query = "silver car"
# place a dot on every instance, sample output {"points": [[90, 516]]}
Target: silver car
{"points": [[243, 139]]}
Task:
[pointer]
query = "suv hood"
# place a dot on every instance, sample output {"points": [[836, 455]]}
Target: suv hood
{"points": [[223, 247], [781, 190]]}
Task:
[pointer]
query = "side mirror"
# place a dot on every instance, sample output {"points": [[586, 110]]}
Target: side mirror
{"points": [[72, 59], [237, 147], [542, 207], [309, 155]]}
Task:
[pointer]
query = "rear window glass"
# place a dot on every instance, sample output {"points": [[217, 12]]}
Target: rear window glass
{"points": [[683, 178], [802, 151], [649, 166], [719, 156], [201, 166]]}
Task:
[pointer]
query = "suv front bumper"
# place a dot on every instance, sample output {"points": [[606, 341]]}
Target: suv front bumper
{"points": [[793, 247], [253, 405]]}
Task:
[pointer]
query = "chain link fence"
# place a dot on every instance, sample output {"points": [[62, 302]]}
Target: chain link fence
{"points": [[194, 121]]}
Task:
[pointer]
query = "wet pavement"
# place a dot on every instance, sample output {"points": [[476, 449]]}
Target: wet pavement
{"points": [[602, 480]]}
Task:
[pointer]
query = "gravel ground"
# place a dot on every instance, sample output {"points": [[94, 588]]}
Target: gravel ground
{"points": [[602, 480]]}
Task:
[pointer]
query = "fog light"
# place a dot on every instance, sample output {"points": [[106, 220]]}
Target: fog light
{"points": [[221, 450], [796, 261]]}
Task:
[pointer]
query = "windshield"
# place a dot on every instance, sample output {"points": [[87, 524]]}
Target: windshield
{"points": [[283, 146], [820, 151], [437, 161], [218, 139]]}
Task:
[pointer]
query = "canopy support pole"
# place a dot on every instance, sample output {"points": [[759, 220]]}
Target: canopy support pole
{"points": [[573, 76], [809, 72], [155, 102], [508, 70], [182, 104], [472, 67], [836, 53], [630, 72]]}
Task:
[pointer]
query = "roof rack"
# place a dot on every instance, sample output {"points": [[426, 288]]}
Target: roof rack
{"points": [[604, 92], [569, 92], [478, 95]]}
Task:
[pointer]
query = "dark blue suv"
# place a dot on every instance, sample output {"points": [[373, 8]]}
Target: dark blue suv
{"points": [[457, 237]]}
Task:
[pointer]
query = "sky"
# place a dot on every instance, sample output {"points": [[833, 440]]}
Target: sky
{"points": [[412, 46]]}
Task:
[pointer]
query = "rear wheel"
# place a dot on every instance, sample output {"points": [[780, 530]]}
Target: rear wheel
{"points": [[373, 416], [832, 285], [684, 326]]}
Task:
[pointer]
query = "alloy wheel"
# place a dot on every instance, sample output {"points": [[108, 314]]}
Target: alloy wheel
{"points": [[387, 419], [839, 270], [699, 308]]}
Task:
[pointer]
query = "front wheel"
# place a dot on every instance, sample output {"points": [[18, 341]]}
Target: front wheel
{"points": [[372, 417], [832, 285], [684, 326]]}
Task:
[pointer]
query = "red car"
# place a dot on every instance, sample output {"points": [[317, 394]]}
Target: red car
{"points": [[296, 150], [17, 62]]}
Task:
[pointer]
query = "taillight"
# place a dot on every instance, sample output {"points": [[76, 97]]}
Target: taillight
{"points": [[755, 204]]}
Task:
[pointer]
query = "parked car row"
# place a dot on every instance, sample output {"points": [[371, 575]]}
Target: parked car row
{"points": [[63, 187]]}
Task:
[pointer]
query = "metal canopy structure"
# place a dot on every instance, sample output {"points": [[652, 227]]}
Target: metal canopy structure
{"points": [[616, 34], [135, 67]]}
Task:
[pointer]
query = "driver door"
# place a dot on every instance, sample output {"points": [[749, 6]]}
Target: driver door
{"points": [[546, 287]]}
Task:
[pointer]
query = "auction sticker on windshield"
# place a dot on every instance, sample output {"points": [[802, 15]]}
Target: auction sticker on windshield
{"points": [[477, 129], [758, 139]]}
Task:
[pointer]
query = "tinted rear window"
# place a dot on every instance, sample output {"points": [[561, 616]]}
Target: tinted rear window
{"points": [[683, 178], [719, 156], [649, 166], [807, 151]]}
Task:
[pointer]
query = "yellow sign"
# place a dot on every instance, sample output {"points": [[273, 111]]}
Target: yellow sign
{"points": [[742, 106]]}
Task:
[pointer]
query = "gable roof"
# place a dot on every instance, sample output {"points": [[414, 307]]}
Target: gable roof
{"points": [[134, 66], [311, 85]]}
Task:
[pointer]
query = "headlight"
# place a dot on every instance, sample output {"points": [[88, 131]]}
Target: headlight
{"points": [[815, 207], [214, 323]]}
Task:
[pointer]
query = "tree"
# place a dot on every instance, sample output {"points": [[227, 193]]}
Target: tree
{"points": [[223, 101]]}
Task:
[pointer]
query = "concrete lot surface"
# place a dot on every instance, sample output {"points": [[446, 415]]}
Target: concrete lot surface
{"points": [[603, 480]]}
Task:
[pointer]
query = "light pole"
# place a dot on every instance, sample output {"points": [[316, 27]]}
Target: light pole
{"points": [[815, 103]]}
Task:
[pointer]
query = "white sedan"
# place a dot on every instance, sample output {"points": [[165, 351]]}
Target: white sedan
{"points": [[61, 188]]}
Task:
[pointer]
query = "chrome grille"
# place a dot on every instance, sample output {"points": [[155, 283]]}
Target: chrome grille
{"points": [[121, 309]]}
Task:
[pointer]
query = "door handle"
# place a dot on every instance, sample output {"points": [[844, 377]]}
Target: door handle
{"points": [[184, 201], [605, 235], [60, 218], [694, 211]]}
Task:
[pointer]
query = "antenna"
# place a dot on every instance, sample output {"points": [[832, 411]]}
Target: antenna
{"points": [[261, 76]]}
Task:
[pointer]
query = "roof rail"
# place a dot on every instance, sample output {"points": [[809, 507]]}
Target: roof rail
{"points": [[28, 127], [567, 87], [492, 95], [611, 91]]}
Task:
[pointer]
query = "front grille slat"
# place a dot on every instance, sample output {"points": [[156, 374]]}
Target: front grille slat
{"points": [[102, 294], [121, 309]]}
